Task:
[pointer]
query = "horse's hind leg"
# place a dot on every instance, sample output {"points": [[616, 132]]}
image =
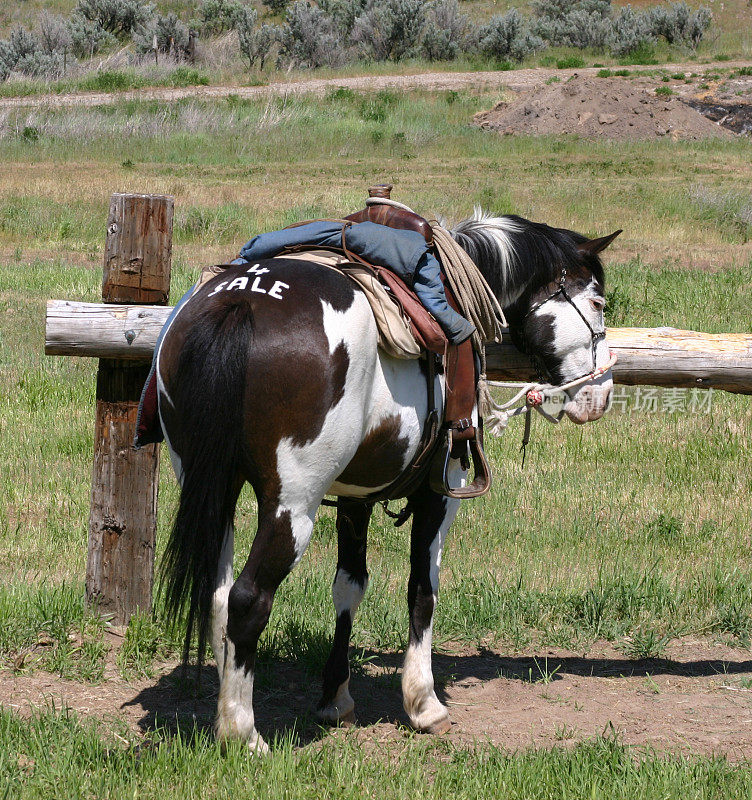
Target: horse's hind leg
{"points": [[350, 582], [433, 514], [223, 584], [280, 540]]}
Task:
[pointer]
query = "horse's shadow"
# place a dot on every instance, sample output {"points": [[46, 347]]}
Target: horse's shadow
{"points": [[285, 693]]}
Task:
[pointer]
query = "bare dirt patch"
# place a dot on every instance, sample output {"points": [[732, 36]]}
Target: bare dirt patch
{"points": [[697, 698], [517, 80], [601, 107]]}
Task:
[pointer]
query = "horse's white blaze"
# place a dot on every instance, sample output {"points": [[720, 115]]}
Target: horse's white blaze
{"points": [[235, 718], [225, 579], [574, 345], [418, 695]]}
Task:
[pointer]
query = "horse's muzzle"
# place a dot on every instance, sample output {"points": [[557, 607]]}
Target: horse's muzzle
{"points": [[590, 401]]}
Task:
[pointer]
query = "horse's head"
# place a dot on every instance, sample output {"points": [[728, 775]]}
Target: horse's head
{"points": [[560, 324], [550, 282]]}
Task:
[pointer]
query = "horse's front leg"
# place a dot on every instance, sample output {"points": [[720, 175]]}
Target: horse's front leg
{"points": [[350, 582], [433, 514]]}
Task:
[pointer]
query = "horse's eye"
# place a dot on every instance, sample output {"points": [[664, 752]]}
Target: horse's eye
{"points": [[598, 303]]}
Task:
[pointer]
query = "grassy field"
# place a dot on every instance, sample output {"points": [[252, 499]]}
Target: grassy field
{"points": [[634, 530]]}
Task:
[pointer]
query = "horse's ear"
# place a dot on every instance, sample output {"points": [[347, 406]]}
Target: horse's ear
{"points": [[594, 246]]}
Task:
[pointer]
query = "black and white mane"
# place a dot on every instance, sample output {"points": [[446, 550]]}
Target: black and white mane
{"points": [[516, 254]]}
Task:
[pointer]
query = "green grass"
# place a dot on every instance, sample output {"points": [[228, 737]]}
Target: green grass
{"points": [[109, 80], [657, 558], [54, 755]]}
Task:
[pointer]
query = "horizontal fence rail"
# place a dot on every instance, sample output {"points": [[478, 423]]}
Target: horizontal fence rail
{"points": [[646, 356]]}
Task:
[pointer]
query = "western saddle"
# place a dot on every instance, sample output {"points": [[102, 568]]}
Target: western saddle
{"points": [[461, 439]]}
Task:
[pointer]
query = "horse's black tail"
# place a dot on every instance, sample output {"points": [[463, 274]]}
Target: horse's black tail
{"points": [[207, 397]]}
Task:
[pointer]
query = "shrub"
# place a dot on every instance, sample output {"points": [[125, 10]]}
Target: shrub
{"points": [[41, 65], [389, 29], [171, 33], [344, 13], [309, 37], [584, 23], [52, 33], [88, 37], [118, 17], [276, 6], [22, 52], [630, 32], [22, 44], [644, 53], [445, 32], [570, 62], [218, 16], [255, 43], [678, 24], [5, 61], [507, 36]]}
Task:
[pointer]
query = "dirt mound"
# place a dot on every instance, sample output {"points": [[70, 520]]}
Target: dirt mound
{"points": [[600, 107]]}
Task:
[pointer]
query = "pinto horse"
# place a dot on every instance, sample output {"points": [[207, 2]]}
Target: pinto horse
{"points": [[271, 374]]}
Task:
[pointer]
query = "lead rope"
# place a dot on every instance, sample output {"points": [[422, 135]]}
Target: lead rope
{"points": [[535, 395]]}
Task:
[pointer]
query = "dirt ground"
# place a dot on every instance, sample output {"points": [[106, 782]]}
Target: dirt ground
{"points": [[612, 108], [518, 80], [697, 698]]}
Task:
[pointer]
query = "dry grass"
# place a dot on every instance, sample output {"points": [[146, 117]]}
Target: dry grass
{"points": [[236, 168]]}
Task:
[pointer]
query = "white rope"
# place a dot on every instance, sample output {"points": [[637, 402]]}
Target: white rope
{"points": [[535, 395], [387, 201]]}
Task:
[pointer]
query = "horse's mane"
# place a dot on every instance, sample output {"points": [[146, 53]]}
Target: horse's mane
{"points": [[513, 252]]}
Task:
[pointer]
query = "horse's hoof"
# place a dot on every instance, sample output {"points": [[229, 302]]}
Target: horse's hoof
{"points": [[257, 746], [332, 717], [440, 727], [348, 720]]}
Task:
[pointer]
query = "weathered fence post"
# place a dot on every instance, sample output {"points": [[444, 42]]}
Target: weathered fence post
{"points": [[123, 520]]}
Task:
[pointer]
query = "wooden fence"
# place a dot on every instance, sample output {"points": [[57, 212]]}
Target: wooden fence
{"points": [[122, 332]]}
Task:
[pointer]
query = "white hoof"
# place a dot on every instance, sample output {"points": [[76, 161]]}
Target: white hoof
{"points": [[431, 717], [257, 745]]}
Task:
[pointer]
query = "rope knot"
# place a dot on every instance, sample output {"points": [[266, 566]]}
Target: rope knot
{"points": [[534, 398]]}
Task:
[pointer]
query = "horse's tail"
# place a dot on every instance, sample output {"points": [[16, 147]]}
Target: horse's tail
{"points": [[207, 397]]}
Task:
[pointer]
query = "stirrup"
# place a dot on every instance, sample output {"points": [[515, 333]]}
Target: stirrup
{"points": [[438, 477]]}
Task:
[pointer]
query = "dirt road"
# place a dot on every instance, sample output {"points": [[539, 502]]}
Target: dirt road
{"points": [[516, 80]]}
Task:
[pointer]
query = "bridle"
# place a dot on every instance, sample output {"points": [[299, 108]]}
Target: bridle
{"points": [[595, 336], [536, 394]]}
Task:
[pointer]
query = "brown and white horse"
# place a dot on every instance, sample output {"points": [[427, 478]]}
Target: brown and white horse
{"points": [[271, 374]]}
